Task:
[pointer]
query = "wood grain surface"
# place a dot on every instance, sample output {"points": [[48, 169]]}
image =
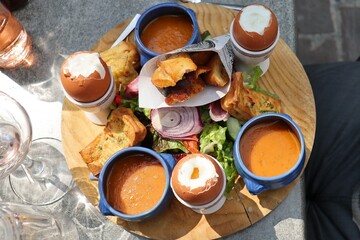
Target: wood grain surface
{"points": [[286, 77]]}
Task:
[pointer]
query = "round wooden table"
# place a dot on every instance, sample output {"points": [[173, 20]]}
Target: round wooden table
{"points": [[285, 77]]}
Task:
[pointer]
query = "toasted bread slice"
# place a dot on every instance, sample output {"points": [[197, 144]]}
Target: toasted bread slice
{"points": [[233, 101], [201, 70], [162, 79], [185, 89], [201, 58], [172, 70], [124, 61], [122, 130], [243, 103], [101, 149], [217, 76]]}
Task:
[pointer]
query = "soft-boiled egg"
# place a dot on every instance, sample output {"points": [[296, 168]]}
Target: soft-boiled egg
{"points": [[255, 27], [197, 179], [85, 76]]}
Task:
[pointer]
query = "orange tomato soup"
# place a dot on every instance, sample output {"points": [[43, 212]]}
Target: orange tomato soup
{"points": [[135, 184], [167, 33], [269, 149]]}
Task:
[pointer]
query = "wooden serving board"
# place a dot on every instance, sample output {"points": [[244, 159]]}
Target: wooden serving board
{"points": [[285, 77]]}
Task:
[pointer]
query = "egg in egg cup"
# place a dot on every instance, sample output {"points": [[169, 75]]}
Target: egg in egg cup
{"points": [[254, 34], [89, 84], [198, 182]]}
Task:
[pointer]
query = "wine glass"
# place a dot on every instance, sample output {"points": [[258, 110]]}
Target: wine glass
{"points": [[37, 170], [20, 221]]}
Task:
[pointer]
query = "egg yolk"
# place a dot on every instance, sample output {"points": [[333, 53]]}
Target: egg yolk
{"points": [[195, 173]]}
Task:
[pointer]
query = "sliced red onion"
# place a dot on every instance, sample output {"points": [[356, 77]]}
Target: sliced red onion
{"points": [[218, 114], [178, 123], [132, 89]]}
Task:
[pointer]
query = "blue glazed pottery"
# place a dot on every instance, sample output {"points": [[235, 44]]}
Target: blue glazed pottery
{"points": [[257, 184], [155, 12], [166, 160]]}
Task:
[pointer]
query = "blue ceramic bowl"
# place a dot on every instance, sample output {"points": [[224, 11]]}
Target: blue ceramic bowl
{"points": [[256, 184], [166, 160], [155, 12]]}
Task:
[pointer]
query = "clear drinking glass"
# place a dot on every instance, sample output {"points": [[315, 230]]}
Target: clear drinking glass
{"points": [[15, 43], [25, 222], [38, 170]]}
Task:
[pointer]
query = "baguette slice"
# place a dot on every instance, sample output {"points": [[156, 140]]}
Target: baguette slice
{"points": [[122, 130]]}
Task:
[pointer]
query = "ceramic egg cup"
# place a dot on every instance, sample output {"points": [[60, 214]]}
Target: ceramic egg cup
{"points": [[246, 59], [97, 111], [212, 206]]}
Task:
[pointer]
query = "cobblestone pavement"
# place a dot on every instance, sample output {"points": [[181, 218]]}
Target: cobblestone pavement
{"points": [[328, 30]]}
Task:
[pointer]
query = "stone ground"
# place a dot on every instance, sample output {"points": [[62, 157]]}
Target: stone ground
{"points": [[328, 30]]}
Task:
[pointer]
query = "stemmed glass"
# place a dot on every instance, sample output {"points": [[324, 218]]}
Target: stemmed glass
{"points": [[37, 170], [23, 221]]}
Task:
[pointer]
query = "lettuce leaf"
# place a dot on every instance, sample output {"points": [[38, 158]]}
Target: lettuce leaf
{"points": [[251, 79], [166, 145], [213, 141]]}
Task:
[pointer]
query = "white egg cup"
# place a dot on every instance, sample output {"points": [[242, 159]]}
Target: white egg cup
{"points": [[246, 59], [97, 111], [212, 206]]}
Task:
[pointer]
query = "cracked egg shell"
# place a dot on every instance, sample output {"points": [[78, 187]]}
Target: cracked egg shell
{"points": [[197, 179], [255, 27], [85, 76]]}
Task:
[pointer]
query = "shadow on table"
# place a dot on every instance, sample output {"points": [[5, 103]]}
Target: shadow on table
{"points": [[175, 222], [42, 75], [264, 216]]}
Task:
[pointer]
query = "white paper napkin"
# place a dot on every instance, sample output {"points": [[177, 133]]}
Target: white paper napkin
{"points": [[45, 116]]}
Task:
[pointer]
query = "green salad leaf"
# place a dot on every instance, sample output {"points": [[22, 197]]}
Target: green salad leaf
{"points": [[251, 79], [212, 137], [206, 35], [205, 115], [213, 141], [166, 145], [133, 104]]}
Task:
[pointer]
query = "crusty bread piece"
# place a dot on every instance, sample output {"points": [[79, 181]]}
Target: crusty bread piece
{"points": [[233, 101], [201, 70], [243, 103], [101, 149], [124, 61], [217, 76], [201, 58], [185, 89], [172, 70], [122, 130]]}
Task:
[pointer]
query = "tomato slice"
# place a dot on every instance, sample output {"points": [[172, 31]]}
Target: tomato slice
{"points": [[192, 145]]}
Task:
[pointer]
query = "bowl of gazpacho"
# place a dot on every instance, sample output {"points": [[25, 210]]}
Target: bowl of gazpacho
{"points": [[269, 152], [134, 184], [164, 28]]}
